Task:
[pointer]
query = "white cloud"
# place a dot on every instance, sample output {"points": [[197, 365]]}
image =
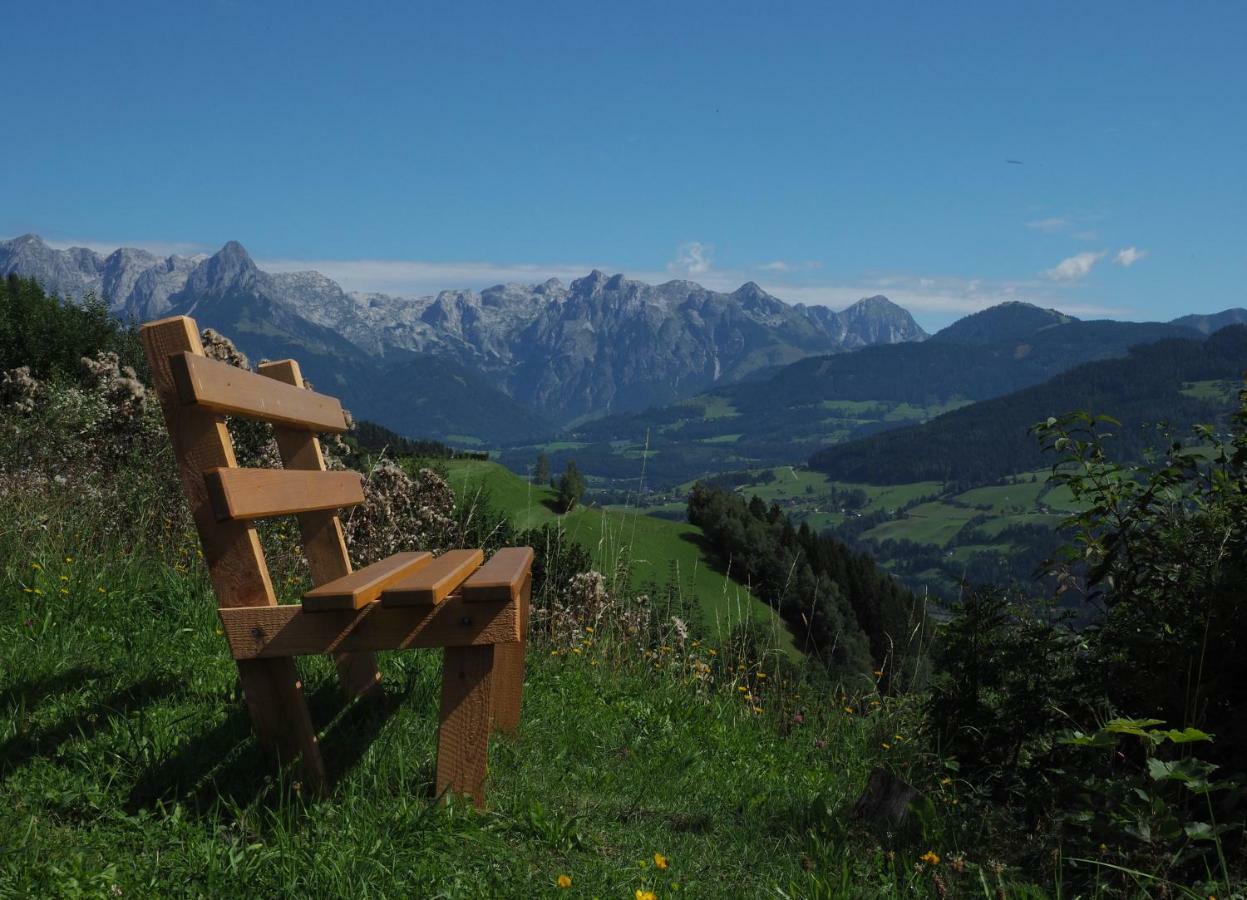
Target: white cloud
{"points": [[1050, 225], [691, 259], [781, 265], [160, 248], [1076, 267], [934, 299], [1128, 256]]}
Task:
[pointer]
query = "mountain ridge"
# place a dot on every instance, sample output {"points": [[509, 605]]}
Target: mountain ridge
{"points": [[597, 345]]}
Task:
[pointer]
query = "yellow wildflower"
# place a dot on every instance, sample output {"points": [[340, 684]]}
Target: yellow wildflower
{"points": [[36, 567], [64, 578], [660, 861], [565, 881], [102, 591], [849, 710], [711, 651], [576, 650], [645, 895], [761, 675], [886, 745], [588, 628], [743, 689], [931, 858], [757, 710]]}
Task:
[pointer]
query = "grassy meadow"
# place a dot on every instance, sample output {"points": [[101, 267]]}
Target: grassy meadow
{"points": [[128, 767], [655, 553]]}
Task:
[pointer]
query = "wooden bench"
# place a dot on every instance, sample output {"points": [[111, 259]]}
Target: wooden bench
{"points": [[477, 612]]}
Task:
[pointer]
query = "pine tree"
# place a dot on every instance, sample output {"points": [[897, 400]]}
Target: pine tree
{"points": [[541, 472], [571, 487]]}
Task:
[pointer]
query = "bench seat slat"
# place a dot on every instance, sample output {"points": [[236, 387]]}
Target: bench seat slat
{"points": [[263, 493], [502, 577], [365, 585], [227, 389], [435, 582]]}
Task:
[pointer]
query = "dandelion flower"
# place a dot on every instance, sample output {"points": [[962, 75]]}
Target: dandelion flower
{"points": [[931, 858], [660, 861], [565, 881], [645, 895]]}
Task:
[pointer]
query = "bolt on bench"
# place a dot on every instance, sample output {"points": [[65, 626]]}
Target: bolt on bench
{"points": [[476, 610]]}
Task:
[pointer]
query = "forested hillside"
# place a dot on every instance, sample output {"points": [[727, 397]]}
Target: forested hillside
{"points": [[839, 605], [823, 401], [981, 443]]}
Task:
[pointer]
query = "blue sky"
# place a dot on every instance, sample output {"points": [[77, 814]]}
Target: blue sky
{"points": [[827, 151]]}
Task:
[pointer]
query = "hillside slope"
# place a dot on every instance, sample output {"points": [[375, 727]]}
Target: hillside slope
{"points": [[822, 401], [658, 552], [989, 440]]}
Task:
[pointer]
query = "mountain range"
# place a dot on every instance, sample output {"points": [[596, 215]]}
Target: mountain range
{"points": [[559, 353], [837, 400]]}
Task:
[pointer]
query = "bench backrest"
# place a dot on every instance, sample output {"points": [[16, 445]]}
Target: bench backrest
{"points": [[196, 393]]}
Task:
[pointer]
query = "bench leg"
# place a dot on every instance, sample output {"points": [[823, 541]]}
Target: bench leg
{"points": [[280, 715], [463, 733], [508, 686]]}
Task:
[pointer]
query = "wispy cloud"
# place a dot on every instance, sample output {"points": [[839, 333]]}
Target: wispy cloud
{"points": [[1050, 225], [693, 258], [934, 299], [781, 265], [159, 248], [1076, 267], [1128, 256]]}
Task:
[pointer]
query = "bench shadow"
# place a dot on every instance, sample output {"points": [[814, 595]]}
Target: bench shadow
{"points": [[225, 764], [84, 723]]}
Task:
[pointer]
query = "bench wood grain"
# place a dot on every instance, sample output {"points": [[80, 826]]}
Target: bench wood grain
{"points": [[365, 585], [434, 583], [220, 387]]}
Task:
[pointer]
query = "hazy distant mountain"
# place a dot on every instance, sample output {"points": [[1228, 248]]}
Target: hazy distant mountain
{"points": [[1214, 322], [821, 401], [598, 345], [1009, 321], [1179, 381]]}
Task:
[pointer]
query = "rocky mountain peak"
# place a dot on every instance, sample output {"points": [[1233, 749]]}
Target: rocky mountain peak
{"points": [[591, 283], [229, 269]]}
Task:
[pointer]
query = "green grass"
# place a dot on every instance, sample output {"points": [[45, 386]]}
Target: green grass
{"points": [[128, 766], [1213, 391], [127, 761], [928, 523], [656, 549], [715, 407]]}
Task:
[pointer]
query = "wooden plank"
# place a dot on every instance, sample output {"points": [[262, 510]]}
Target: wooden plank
{"points": [[434, 582], [324, 544], [502, 577], [508, 684], [466, 713], [263, 632], [231, 550], [365, 585], [264, 493], [223, 388]]}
